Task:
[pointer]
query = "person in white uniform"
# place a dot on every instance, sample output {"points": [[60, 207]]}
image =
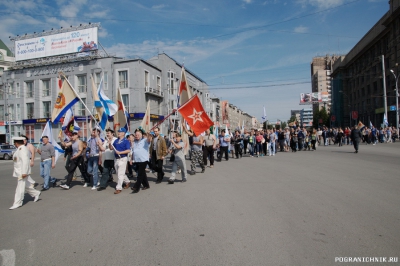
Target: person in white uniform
{"points": [[32, 153], [22, 170]]}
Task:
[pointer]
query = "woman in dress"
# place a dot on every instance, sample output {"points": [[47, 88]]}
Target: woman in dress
{"points": [[176, 149]]}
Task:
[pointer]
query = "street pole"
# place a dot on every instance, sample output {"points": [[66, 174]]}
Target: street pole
{"points": [[397, 98], [384, 86], [7, 120]]}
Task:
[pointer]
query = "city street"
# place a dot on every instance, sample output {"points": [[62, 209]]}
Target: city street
{"points": [[304, 208]]}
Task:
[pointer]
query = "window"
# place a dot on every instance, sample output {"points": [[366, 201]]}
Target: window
{"points": [[146, 79], [171, 82], [46, 89], [1, 95], [123, 79], [97, 78], [10, 112], [105, 81], [82, 110], [18, 112], [15, 131], [82, 82], [46, 109], [11, 88], [172, 105], [158, 83], [2, 113], [125, 100], [17, 91], [30, 132], [29, 89], [30, 111], [1, 57]]}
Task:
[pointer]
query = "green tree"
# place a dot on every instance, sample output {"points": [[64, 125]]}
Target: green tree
{"points": [[292, 119], [321, 115]]}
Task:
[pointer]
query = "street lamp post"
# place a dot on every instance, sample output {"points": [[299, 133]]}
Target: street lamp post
{"points": [[397, 98]]}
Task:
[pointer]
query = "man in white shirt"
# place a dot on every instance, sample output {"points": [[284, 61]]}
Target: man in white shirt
{"points": [[108, 158]]}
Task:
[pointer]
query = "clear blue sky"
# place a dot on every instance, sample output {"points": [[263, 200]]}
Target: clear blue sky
{"points": [[253, 53]]}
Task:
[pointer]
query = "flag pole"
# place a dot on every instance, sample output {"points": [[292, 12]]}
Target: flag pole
{"points": [[97, 124], [80, 99], [162, 121]]}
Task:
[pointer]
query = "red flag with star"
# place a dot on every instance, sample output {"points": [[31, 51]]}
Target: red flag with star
{"points": [[195, 116]]}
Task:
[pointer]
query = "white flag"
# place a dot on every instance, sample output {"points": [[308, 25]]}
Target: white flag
{"points": [[47, 131]]}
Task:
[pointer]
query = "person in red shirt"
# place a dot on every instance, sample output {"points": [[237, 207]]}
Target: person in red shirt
{"points": [[259, 139], [347, 135]]}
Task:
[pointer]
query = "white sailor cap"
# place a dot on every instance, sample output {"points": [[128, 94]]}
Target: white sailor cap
{"points": [[18, 138]]}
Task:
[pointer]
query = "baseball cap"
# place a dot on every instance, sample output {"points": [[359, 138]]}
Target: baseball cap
{"points": [[122, 129]]}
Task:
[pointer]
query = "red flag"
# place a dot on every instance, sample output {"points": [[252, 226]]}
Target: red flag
{"points": [[195, 116]]}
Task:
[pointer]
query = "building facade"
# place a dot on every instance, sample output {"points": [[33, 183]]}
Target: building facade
{"points": [[361, 77], [32, 92], [306, 117], [321, 79]]}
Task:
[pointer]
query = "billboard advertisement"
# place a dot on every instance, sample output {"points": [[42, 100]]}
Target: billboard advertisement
{"points": [[78, 41], [310, 98], [325, 96]]}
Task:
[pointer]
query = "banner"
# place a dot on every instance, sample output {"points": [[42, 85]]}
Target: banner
{"points": [[57, 44]]}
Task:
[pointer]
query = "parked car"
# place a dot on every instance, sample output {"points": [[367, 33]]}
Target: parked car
{"points": [[7, 151]]}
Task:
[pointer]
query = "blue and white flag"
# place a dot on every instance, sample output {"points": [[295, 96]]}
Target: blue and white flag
{"points": [[110, 108], [370, 124], [264, 117], [47, 131], [102, 116], [385, 121]]}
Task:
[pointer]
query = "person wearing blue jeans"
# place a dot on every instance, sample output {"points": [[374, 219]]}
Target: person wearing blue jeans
{"points": [[47, 162], [45, 167], [94, 154], [250, 143]]}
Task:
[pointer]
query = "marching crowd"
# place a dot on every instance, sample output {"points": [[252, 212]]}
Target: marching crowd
{"points": [[141, 152]]}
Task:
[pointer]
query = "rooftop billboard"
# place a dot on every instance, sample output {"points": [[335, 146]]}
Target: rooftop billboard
{"points": [[57, 44]]}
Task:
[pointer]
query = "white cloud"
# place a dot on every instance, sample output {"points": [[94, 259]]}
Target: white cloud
{"points": [[194, 50], [321, 4], [301, 29], [247, 1], [158, 6]]}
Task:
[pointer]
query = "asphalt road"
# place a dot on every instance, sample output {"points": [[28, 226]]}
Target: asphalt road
{"points": [[304, 208]]}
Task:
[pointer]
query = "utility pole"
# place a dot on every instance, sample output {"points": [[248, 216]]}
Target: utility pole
{"points": [[384, 86], [6, 114], [397, 98]]}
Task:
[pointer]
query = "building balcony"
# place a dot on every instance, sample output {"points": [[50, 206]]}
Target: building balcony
{"points": [[154, 92]]}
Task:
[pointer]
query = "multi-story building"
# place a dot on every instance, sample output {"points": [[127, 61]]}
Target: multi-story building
{"points": [[6, 57], [6, 60], [306, 117], [296, 114], [321, 80], [361, 77], [29, 86]]}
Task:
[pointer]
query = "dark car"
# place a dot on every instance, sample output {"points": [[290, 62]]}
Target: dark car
{"points": [[7, 151]]}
